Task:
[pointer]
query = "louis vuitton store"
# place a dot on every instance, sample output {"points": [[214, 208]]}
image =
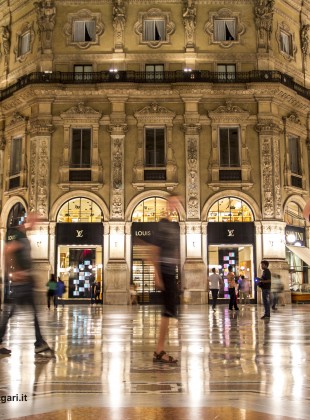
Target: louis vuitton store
{"points": [[79, 245], [231, 241]]}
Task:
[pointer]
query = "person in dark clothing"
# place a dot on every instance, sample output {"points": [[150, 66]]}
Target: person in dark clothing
{"points": [[265, 285], [164, 254], [18, 258], [51, 291], [97, 292]]}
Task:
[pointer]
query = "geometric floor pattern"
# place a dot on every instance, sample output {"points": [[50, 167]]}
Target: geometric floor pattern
{"points": [[232, 365]]}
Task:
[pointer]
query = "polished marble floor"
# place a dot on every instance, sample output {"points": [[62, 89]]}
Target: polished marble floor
{"points": [[232, 365]]}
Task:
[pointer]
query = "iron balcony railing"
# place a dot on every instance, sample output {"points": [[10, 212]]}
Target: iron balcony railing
{"points": [[196, 76]]}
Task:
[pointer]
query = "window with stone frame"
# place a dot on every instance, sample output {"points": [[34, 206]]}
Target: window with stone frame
{"points": [[295, 140], [83, 28], [229, 150], [154, 153], [154, 28], [295, 161], [15, 162], [286, 41], [84, 31], [80, 154], [24, 42], [225, 27], [81, 164], [155, 164], [286, 44]]}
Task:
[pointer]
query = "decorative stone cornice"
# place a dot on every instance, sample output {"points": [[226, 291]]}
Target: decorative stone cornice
{"points": [[268, 127], [41, 127], [228, 113], [154, 114]]}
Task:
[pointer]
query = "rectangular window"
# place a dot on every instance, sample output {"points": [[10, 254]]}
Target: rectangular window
{"points": [[286, 43], [154, 71], [295, 156], [226, 71], [229, 147], [83, 72], [154, 147], [16, 156], [24, 43], [84, 31], [224, 29], [81, 148], [154, 30]]}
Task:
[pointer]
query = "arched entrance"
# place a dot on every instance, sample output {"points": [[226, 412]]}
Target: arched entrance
{"points": [[79, 244], [16, 217], [295, 234], [145, 217], [231, 240]]}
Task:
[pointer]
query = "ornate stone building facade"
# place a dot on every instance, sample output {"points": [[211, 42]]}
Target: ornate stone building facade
{"points": [[109, 106]]}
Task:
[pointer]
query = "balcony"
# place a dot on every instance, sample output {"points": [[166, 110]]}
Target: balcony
{"points": [[255, 76]]}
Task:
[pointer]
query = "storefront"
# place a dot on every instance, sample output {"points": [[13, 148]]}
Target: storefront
{"points": [[79, 244], [297, 253], [144, 227], [231, 241]]}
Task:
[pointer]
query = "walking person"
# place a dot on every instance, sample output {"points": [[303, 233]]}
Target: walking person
{"points": [[244, 290], [265, 285], [232, 289], [164, 253], [51, 291], [276, 289], [215, 280], [18, 259], [60, 290]]}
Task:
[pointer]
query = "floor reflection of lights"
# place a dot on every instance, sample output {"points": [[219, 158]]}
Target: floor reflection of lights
{"points": [[104, 358]]}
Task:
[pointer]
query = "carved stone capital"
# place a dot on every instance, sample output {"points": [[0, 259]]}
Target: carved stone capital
{"points": [[191, 129], [268, 127], [117, 128], [41, 127]]}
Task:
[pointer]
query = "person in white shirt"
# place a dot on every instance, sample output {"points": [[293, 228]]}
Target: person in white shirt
{"points": [[215, 280]]}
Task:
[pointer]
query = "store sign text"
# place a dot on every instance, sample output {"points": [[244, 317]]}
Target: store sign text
{"points": [[143, 233]]}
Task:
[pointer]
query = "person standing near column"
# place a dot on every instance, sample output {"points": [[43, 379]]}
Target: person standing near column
{"points": [[215, 281], [265, 285], [231, 289], [18, 259]]}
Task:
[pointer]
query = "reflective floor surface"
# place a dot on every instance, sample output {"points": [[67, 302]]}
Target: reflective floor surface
{"points": [[232, 365]]}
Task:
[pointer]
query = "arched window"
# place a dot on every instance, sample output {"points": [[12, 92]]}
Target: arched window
{"points": [[293, 215], [80, 210], [152, 210], [230, 209], [16, 216]]}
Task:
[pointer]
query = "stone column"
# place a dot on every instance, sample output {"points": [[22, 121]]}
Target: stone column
{"points": [[39, 187], [273, 226], [194, 269], [117, 273]]}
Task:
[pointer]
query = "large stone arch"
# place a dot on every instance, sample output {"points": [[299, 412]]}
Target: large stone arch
{"points": [[297, 199], [149, 194], [232, 193], [7, 208], [74, 194]]}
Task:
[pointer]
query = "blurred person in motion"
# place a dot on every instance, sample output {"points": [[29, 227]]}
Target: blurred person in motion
{"points": [[244, 290], [18, 259], [232, 289], [215, 281], [276, 289], [51, 291], [60, 290], [164, 254]]}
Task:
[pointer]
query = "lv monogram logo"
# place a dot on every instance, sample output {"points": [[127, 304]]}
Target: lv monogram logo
{"points": [[79, 233], [231, 232]]}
